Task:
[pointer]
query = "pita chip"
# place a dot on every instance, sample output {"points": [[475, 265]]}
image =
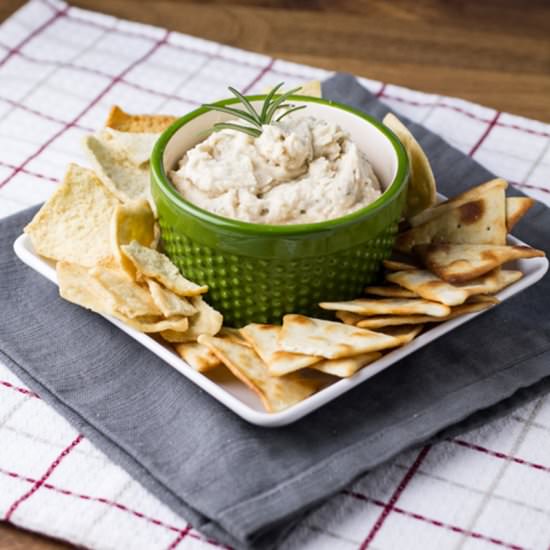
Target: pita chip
{"points": [[439, 290], [475, 304], [383, 322], [133, 221], [380, 323], [516, 208], [197, 356], [124, 122], [404, 333], [311, 88], [429, 286], [127, 181], [76, 285], [479, 221], [131, 299], [478, 191], [169, 303], [348, 366], [390, 306], [137, 148], [421, 192], [150, 263], [390, 291], [155, 324], [329, 339], [492, 282], [458, 263], [200, 357], [394, 265], [207, 320], [276, 392], [233, 334], [73, 224], [264, 340], [471, 194], [348, 317]]}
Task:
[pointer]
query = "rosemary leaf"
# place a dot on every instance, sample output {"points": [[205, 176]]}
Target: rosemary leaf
{"points": [[276, 104], [254, 132], [246, 103], [268, 99], [287, 112]]}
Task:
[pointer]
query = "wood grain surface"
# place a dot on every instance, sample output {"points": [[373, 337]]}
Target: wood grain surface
{"points": [[493, 52]]}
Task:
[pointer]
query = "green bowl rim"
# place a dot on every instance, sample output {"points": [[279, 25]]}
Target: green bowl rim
{"points": [[159, 174]]}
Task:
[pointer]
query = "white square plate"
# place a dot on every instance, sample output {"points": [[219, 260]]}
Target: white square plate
{"points": [[240, 399]]}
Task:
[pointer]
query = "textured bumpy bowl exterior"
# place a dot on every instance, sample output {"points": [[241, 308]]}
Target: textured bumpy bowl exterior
{"points": [[257, 273]]}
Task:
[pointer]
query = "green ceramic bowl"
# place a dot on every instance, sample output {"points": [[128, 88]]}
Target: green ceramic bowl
{"points": [[256, 272]]}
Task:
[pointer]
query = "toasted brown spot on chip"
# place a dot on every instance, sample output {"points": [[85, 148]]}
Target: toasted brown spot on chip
{"points": [[473, 193], [478, 221], [471, 212]]}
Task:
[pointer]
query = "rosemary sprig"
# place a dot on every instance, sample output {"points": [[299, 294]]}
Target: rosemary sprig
{"points": [[277, 104], [269, 98], [273, 103]]}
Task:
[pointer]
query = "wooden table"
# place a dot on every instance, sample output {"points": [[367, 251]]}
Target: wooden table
{"points": [[495, 52]]}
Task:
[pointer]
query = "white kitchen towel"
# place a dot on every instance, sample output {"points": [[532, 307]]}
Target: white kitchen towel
{"points": [[60, 70]]}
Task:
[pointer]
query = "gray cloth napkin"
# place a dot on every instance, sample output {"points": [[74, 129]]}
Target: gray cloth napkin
{"points": [[244, 485]]}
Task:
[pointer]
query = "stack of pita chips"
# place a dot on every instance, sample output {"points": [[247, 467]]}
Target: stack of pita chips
{"points": [[119, 153], [100, 230], [285, 364], [449, 264]]}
